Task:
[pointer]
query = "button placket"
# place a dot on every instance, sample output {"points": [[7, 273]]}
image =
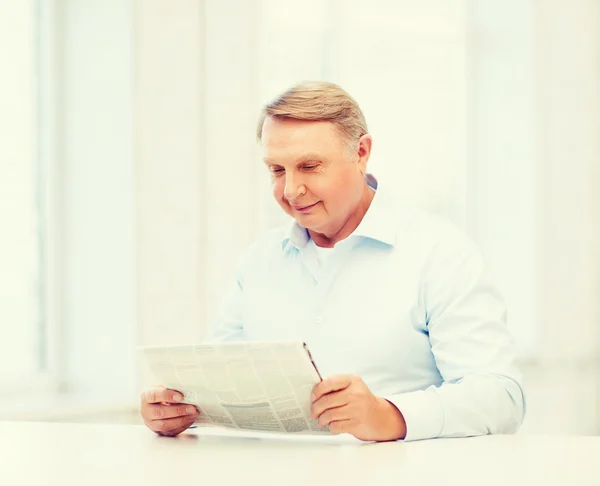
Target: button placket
{"points": [[326, 278]]}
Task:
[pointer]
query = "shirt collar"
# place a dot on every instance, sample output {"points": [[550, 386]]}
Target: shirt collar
{"points": [[377, 224]]}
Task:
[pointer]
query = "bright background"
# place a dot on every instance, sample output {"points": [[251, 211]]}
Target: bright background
{"points": [[130, 180]]}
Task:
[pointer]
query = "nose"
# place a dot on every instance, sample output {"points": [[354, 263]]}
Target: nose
{"points": [[293, 188]]}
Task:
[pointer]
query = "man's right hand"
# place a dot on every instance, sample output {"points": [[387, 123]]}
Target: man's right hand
{"points": [[164, 413]]}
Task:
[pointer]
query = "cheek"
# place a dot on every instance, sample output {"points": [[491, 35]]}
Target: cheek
{"points": [[332, 193], [278, 187]]}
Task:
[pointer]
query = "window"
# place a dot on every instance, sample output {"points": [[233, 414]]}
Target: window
{"points": [[23, 346]]}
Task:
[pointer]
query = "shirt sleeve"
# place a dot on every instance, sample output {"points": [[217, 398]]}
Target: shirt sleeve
{"points": [[474, 352], [228, 325], [229, 322]]}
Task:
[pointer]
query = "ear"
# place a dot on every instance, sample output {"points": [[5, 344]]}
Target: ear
{"points": [[364, 152]]}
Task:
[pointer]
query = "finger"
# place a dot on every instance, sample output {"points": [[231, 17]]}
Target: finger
{"points": [[333, 383], [331, 400], [173, 433], [160, 395], [341, 427], [155, 411], [333, 415], [169, 426]]}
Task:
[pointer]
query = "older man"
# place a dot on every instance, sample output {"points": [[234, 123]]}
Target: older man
{"points": [[392, 301]]}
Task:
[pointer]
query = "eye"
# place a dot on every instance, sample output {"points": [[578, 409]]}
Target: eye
{"points": [[276, 170], [310, 166]]}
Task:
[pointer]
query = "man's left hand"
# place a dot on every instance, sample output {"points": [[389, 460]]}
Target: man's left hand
{"points": [[346, 405]]}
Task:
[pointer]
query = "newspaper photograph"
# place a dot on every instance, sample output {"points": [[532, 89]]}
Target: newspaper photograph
{"points": [[245, 385]]}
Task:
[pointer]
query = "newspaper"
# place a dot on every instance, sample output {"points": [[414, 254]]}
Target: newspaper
{"points": [[245, 385]]}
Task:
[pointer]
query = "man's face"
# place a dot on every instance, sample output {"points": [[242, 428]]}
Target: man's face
{"points": [[315, 178]]}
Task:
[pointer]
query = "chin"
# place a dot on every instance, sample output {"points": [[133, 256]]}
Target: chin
{"points": [[302, 218], [310, 223]]}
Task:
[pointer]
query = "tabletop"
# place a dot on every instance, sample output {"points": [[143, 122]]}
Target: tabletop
{"points": [[36, 453]]}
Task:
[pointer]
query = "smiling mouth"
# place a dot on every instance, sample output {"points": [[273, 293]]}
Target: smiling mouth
{"points": [[305, 208]]}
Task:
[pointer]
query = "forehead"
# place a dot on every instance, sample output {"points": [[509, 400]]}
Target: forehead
{"points": [[282, 138]]}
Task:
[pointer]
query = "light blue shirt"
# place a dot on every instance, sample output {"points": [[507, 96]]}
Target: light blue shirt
{"points": [[402, 302]]}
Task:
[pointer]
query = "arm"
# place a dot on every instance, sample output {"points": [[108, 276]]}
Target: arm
{"points": [[228, 325], [474, 352]]}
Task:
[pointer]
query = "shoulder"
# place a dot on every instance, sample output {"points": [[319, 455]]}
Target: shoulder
{"points": [[430, 231], [264, 248]]}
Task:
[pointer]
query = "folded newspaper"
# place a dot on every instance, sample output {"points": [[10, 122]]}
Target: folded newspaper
{"points": [[246, 385]]}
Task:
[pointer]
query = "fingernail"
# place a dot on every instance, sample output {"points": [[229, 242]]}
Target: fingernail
{"points": [[177, 397], [190, 410]]}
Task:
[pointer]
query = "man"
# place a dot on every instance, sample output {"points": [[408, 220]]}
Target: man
{"points": [[392, 302]]}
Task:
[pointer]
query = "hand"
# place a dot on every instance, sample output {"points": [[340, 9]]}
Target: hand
{"points": [[346, 405], [164, 413]]}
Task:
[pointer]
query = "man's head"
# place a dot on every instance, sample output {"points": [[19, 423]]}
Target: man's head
{"points": [[316, 146]]}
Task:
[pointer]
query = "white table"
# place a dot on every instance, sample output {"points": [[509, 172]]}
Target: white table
{"points": [[68, 454]]}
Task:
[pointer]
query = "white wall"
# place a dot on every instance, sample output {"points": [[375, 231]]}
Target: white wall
{"points": [[232, 57], [483, 110], [454, 93], [404, 62], [19, 225], [95, 160], [568, 85], [170, 175], [534, 156], [493, 120], [503, 154], [232, 168], [534, 193]]}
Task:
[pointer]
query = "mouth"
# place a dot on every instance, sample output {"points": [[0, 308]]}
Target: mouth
{"points": [[305, 209]]}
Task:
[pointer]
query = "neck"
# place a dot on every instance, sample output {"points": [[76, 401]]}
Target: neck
{"points": [[328, 240]]}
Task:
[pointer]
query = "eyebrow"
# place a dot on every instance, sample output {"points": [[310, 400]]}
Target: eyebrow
{"points": [[303, 158]]}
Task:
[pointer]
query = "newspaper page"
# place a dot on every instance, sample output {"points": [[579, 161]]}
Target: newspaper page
{"points": [[247, 385]]}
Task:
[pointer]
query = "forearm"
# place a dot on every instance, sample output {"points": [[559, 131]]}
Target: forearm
{"points": [[474, 405]]}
